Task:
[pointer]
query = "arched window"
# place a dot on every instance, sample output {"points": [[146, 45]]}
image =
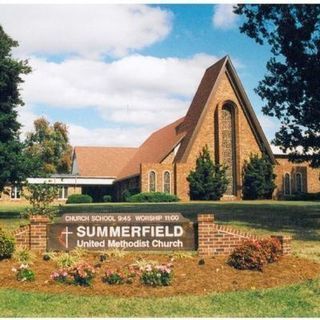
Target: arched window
{"points": [[287, 184], [298, 182], [166, 182], [152, 181]]}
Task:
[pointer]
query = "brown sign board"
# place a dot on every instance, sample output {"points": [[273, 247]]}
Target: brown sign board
{"points": [[102, 231]]}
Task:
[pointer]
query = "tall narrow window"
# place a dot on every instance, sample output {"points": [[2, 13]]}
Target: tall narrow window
{"points": [[15, 193], [298, 182], [228, 145], [152, 181], [63, 192], [166, 182], [287, 184]]}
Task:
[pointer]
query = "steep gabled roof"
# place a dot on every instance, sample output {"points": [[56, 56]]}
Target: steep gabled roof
{"points": [[197, 109], [155, 149], [102, 161]]}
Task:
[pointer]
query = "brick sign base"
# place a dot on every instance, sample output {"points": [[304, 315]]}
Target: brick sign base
{"points": [[213, 239]]}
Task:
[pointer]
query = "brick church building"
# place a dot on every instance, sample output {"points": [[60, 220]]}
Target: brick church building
{"points": [[221, 117]]}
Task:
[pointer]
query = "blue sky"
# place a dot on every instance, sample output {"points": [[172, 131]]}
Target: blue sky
{"points": [[116, 73]]}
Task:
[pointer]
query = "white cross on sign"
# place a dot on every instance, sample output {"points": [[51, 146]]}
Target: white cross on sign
{"points": [[66, 233]]}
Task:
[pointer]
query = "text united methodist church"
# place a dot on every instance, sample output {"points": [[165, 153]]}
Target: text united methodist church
{"points": [[220, 116]]}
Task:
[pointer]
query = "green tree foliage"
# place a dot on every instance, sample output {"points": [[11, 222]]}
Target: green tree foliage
{"points": [[208, 181], [291, 85], [12, 163], [49, 146], [41, 196], [258, 178]]}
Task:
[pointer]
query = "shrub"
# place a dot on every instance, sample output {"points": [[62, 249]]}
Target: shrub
{"points": [[119, 277], [66, 259], [107, 198], [125, 195], [160, 275], [60, 276], [208, 181], [153, 197], [303, 196], [182, 255], [142, 264], [254, 254], [79, 198], [24, 256], [248, 256], [78, 253], [7, 245], [272, 249], [24, 273], [258, 178], [116, 253], [82, 274], [41, 196]]}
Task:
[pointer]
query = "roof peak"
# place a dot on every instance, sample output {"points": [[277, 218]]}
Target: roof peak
{"points": [[220, 61]]}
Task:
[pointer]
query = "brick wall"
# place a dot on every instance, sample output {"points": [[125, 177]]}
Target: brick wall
{"points": [[210, 134], [22, 236], [310, 177], [159, 169], [34, 235], [215, 239]]}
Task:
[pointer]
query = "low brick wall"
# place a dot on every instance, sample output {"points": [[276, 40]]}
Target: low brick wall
{"points": [[22, 235], [213, 239], [34, 235], [216, 239]]}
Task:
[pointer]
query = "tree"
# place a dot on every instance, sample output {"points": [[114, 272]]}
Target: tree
{"points": [[208, 181], [258, 178], [41, 196], [49, 145], [291, 85], [12, 162]]}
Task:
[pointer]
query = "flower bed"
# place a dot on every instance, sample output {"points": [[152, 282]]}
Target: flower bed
{"points": [[189, 277]]}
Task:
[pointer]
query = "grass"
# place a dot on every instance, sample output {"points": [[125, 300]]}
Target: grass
{"points": [[301, 220], [301, 300]]}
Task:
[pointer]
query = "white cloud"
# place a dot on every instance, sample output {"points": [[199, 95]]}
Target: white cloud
{"points": [[81, 136], [85, 30], [26, 117], [137, 90], [223, 17], [136, 94], [276, 149]]}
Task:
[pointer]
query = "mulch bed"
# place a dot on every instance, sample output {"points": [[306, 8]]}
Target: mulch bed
{"points": [[189, 277]]}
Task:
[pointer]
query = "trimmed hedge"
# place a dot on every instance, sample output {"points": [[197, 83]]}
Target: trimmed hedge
{"points": [[153, 197], [303, 196], [107, 198], [7, 245], [79, 198]]}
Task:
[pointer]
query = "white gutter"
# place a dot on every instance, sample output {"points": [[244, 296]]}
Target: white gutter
{"points": [[72, 181]]}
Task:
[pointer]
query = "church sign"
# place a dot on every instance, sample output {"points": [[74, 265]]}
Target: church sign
{"points": [[101, 231]]}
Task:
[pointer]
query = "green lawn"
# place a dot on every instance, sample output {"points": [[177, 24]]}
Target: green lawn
{"points": [[294, 301], [299, 219]]}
